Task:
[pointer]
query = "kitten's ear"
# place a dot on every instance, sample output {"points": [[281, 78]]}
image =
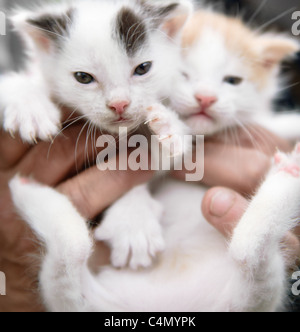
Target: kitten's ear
{"points": [[275, 49], [170, 17], [44, 29]]}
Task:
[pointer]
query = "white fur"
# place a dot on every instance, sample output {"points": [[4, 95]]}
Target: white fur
{"points": [[206, 63], [50, 73], [27, 98], [198, 270]]}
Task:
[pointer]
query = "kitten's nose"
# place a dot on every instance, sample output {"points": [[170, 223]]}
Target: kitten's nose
{"points": [[206, 101], [119, 106]]}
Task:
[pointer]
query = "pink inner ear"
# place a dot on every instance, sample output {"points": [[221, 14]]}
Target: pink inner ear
{"points": [[43, 42], [268, 63], [173, 26]]}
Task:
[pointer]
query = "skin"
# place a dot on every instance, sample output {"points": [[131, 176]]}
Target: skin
{"points": [[92, 191]]}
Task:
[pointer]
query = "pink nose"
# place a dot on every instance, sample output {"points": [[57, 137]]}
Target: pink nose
{"points": [[119, 107], [206, 101]]}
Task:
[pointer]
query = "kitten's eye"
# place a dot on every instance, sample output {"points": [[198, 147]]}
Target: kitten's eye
{"points": [[233, 80], [143, 69], [84, 78]]}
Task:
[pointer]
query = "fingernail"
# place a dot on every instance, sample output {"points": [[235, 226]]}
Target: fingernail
{"points": [[221, 203]]}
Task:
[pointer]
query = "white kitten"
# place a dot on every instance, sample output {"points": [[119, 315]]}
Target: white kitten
{"points": [[110, 67], [230, 76], [113, 62]]}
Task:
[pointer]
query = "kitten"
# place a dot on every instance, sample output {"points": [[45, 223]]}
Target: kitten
{"points": [[230, 76], [199, 269], [113, 62]]}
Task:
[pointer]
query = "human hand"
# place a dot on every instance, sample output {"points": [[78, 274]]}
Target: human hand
{"points": [[223, 208], [239, 159], [91, 191]]}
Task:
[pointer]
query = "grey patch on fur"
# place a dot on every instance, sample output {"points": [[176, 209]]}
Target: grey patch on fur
{"points": [[131, 30], [54, 26]]}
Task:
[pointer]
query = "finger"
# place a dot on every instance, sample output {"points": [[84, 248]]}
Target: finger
{"points": [[291, 250], [223, 208], [51, 163], [240, 169], [258, 138], [94, 190], [12, 150]]}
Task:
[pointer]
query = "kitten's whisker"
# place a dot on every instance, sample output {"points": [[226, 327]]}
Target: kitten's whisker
{"points": [[77, 143], [275, 19], [258, 10], [288, 87]]}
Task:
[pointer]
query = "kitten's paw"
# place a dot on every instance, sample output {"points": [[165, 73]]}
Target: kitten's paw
{"points": [[288, 163], [134, 240], [169, 128], [35, 118]]}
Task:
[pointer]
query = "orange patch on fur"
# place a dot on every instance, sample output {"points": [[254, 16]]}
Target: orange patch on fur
{"points": [[239, 39]]}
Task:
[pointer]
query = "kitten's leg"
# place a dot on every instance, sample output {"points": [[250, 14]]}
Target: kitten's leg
{"points": [[171, 130], [67, 240], [131, 227], [26, 108], [255, 245]]}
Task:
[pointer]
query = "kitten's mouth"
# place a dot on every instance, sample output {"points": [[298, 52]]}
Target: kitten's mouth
{"points": [[121, 120], [202, 114]]}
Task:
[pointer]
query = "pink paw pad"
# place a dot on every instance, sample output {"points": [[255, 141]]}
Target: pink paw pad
{"points": [[292, 169], [278, 158], [25, 180]]}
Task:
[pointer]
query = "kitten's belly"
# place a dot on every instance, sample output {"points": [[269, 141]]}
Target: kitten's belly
{"points": [[186, 277]]}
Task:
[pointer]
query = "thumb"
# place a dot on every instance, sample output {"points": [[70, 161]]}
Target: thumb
{"points": [[223, 208]]}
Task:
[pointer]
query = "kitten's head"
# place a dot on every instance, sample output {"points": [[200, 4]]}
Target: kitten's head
{"points": [[230, 73], [110, 60]]}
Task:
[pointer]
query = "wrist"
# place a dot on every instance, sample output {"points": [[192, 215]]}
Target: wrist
{"points": [[21, 289]]}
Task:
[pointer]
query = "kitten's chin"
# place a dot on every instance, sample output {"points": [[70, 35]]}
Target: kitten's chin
{"points": [[117, 126], [202, 125]]}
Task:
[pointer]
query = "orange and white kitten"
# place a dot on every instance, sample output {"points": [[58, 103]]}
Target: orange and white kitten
{"points": [[230, 76], [199, 270]]}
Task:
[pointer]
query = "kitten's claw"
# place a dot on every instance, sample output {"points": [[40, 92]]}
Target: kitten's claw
{"points": [[164, 137], [151, 120], [33, 138], [51, 139], [12, 134]]}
